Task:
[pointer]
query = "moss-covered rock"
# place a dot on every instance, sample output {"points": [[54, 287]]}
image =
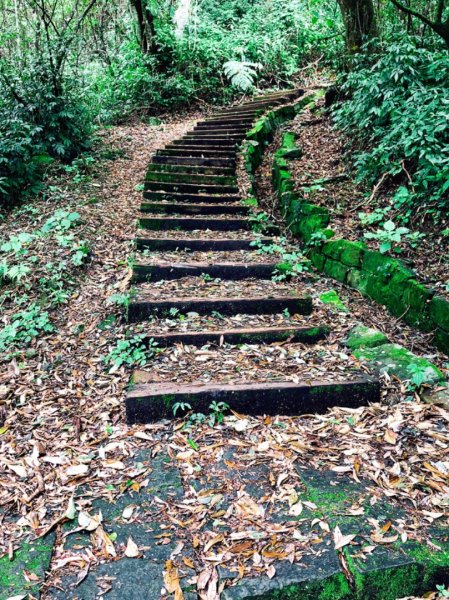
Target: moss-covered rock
{"points": [[380, 265], [398, 361], [416, 298], [331, 297], [336, 270], [365, 337], [439, 311], [352, 253], [441, 340]]}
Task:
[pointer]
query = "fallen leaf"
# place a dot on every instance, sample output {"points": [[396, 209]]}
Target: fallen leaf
{"points": [[132, 550]]}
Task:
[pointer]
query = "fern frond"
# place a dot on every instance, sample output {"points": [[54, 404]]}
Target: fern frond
{"points": [[241, 73]]}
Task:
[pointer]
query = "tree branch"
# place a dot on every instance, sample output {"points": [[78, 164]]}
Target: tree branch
{"points": [[413, 13]]}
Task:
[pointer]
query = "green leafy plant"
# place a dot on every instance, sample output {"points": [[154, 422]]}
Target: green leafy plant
{"points": [[61, 221], [136, 350], [123, 299], [375, 217], [24, 326], [417, 376], [242, 74], [388, 236]]}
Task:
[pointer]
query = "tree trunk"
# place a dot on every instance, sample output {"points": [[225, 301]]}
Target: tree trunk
{"points": [[145, 23], [360, 22]]}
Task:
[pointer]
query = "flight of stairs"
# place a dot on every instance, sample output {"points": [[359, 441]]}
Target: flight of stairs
{"points": [[192, 204]]}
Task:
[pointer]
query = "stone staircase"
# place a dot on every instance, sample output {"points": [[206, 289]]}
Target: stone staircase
{"points": [[191, 208]]}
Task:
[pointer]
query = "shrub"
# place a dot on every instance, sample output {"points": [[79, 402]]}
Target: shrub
{"points": [[397, 112]]}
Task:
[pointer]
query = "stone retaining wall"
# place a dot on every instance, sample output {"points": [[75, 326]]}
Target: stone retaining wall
{"points": [[384, 279]]}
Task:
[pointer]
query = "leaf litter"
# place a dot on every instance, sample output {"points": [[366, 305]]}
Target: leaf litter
{"points": [[63, 429]]}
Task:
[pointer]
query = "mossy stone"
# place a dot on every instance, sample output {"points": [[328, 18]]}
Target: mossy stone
{"points": [[397, 360], [379, 264], [317, 259], [352, 253], [441, 340], [365, 337], [416, 298], [439, 311], [334, 248], [336, 270], [331, 297], [357, 279]]}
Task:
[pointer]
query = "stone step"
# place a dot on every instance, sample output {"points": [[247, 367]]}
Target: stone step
{"points": [[195, 161], [281, 94], [146, 403], [192, 188], [190, 152], [217, 132], [217, 136], [193, 223], [201, 245], [245, 120], [175, 176], [230, 150], [192, 169], [226, 270], [260, 335], [207, 142], [142, 308], [226, 126], [195, 198], [194, 209]]}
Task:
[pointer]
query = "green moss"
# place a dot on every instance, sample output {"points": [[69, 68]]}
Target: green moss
{"points": [[352, 253], [168, 400], [331, 297], [317, 259], [396, 360], [336, 270], [439, 311], [33, 557], [441, 340], [365, 337], [380, 265]]}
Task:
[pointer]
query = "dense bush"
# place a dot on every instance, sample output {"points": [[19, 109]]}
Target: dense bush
{"points": [[36, 126], [398, 111]]}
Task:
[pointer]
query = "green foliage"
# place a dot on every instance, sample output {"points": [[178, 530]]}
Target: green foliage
{"points": [[388, 236], [216, 414], [61, 221], [132, 351], [242, 74], [24, 326], [397, 112]]}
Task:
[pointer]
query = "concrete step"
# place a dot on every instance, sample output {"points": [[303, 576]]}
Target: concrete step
{"points": [[199, 161], [217, 136], [202, 245], [192, 169], [189, 152], [141, 308], [261, 335], [179, 177], [206, 141], [192, 188], [193, 223], [226, 126], [183, 198], [194, 209], [232, 271], [146, 403]]}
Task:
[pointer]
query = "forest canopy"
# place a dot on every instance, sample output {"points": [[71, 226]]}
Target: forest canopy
{"points": [[68, 66]]}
